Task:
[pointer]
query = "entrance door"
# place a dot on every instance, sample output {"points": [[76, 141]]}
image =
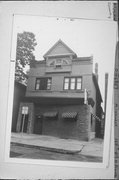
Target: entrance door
{"points": [[38, 125]]}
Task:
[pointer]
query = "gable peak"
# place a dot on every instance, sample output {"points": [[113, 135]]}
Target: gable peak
{"points": [[58, 49]]}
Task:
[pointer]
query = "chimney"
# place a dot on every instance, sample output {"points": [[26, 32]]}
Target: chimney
{"points": [[96, 70], [106, 90]]}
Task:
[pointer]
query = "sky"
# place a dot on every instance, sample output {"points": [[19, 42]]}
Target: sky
{"points": [[86, 36]]}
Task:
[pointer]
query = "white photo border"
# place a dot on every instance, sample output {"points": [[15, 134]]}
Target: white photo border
{"points": [[108, 128]]}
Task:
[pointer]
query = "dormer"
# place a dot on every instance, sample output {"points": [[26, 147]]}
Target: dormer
{"points": [[59, 54]]}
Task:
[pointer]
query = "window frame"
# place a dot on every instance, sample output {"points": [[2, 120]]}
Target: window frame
{"points": [[47, 83], [67, 82], [37, 84], [80, 83], [75, 85], [72, 83], [58, 63]]}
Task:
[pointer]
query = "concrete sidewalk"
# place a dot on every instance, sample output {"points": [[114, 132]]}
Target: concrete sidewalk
{"points": [[50, 143]]}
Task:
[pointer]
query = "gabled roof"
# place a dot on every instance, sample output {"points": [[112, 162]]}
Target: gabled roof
{"points": [[59, 48]]}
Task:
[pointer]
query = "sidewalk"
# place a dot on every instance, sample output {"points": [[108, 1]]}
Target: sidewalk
{"points": [[54, 144]]}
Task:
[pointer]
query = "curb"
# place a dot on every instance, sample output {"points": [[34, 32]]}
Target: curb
{"points": [[63, 151]]}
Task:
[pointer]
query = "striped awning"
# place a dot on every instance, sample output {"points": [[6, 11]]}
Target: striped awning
{"points": [[50, 114], [69, 115]]}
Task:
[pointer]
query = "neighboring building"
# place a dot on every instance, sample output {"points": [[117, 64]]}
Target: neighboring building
{"points": [[19, 94], [63, 98]]}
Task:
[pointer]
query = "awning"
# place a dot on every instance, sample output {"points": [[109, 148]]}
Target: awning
{"points": [[69, 115], [50, 114]]}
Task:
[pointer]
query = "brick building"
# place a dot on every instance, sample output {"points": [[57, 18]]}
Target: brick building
{"points": [[63, 98]]}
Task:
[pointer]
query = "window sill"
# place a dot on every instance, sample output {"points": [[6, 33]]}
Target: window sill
{"points": [[36, 90], [73, 91]]}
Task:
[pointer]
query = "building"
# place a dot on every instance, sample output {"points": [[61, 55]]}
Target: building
{"points": [[19, 94], [63, 98]]}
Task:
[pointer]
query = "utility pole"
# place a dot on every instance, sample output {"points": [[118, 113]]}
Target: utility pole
{"points": [[106, 91]]}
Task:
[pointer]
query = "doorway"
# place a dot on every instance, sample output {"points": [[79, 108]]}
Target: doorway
{"points": [[38, 124]]}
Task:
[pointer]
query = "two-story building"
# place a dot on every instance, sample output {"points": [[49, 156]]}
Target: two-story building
{"points": [[63, 98]]}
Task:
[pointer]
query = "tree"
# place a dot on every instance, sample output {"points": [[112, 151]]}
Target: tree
{"points": [[26, 43]]}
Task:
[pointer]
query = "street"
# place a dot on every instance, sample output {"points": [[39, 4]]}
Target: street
{"points": [[34, 153]]}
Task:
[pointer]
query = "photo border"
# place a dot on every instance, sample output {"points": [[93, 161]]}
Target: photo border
{"points": [[107, 135]]}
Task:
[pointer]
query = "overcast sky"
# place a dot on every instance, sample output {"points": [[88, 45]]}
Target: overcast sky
{"points": [[95, 38]]}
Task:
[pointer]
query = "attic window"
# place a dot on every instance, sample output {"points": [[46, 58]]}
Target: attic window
{"points": [[58, 66], [58, 63]]}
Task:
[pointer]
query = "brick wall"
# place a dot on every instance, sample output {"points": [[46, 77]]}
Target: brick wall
{"points": [[65, 128], [77, 69]]}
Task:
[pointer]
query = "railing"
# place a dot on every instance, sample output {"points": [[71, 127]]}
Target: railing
{"points": [[96, 117]]}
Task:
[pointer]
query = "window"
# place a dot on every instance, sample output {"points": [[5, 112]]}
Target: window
{"points": [[58, 63], [72, 83], [58, 66], [78, 84], [24, 110], [43, 83], [66, 83], [37, 84], [48, 83]]}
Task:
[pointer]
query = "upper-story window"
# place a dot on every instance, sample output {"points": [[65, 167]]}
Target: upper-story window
{"points": [[58, 63], [66, 83], [78, 83], [72, 83], [43, 83]]}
